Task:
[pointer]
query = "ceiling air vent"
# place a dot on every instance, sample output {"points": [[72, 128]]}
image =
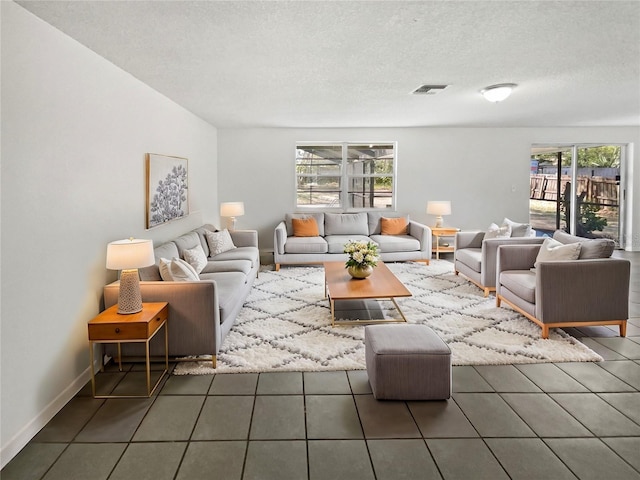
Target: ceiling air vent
{"points": [[428, 89]]}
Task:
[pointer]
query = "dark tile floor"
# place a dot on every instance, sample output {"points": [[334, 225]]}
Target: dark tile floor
{"points": [[541, 421]]}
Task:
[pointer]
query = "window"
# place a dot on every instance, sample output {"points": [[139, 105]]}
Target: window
{"points": [[345, 175]]}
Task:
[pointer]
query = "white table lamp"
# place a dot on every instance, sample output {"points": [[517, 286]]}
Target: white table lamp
{"points": [[439, 208], [129, 255], [232, 210]]}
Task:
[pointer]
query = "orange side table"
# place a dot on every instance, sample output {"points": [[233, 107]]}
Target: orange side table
{"points": [[112, 327]]}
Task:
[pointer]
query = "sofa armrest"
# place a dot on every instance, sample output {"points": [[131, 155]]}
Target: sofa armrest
{"points": [[516, 257], [194, 314], [244, 238], [469, 240], [422, 233], [280, 238], [490, 254], [587, 290]]}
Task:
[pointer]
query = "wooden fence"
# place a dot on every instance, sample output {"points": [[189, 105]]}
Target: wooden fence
{"points": [[597, 190]]}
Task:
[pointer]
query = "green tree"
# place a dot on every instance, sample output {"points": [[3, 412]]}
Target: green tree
{"points": [[605, 156]]}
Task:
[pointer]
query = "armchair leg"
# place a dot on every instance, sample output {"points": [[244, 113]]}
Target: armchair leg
{"points": [[486, 291], [623, 329], [545, 331], [277, 267], [214, 361], [498, 300]]}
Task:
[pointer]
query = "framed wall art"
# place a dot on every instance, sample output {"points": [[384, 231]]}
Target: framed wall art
{"points": [[167, 189]]}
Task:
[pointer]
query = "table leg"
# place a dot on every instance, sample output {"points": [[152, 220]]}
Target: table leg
{"points": [[148, 369], [93, 373]]}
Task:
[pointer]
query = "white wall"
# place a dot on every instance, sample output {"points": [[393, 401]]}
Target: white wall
{"points": [[75, 130], [483, 171]]}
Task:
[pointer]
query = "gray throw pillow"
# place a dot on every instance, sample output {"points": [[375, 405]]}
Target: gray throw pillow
{"points": [[552, 250], [219, 242], [518, 229], [196, 258], [494, 231]]}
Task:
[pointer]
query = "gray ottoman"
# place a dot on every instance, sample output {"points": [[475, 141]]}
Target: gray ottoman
{"points": [[407, 362]]}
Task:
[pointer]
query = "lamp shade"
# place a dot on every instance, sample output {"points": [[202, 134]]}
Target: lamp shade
{"points": [[232, 209], [130, 253], [439, 207]]}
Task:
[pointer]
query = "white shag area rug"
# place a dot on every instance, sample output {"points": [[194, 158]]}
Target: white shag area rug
{"points": [[285, 325]]}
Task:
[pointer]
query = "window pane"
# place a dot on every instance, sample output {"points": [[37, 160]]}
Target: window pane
{"points": [[368, 192], [365, 181], [370, 159]]}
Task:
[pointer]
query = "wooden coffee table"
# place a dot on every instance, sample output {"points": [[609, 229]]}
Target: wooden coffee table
{"points": [[382, 284]]}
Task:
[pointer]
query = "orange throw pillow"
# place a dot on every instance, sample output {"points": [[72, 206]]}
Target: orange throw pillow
{"points": [[305, 227], [393, 226]]}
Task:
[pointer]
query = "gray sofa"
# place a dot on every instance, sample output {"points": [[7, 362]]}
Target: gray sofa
{"points": [[336, 229], [201, 313], [590, 290]]}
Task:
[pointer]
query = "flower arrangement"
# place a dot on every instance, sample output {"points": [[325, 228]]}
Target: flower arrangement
{"points": [[361, 254]]}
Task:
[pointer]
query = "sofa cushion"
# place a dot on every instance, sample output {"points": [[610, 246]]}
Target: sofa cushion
{"points": [[494, 231], [346, 224], [305, 227], [305, 245], [521, 282], [471, 257], [240, 253], [186, 241], [215, 266], [202, 233], [336, 243], [319, 216], [374, 220], [219, 242], [229, 292], [591, 248], [196, 258], [518, 229], [396, 243], [152, 273], [177, 270], [393, 226], [552, 250]]}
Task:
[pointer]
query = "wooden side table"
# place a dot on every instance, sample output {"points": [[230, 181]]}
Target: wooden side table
{"points": [[438, 232], [112, 327]]}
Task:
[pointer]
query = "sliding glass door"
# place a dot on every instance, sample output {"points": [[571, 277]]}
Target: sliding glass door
{"points": [[577, 188]]}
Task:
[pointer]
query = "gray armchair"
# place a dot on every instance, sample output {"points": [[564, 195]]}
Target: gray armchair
{"points": [[564, 293], [475, 256]]}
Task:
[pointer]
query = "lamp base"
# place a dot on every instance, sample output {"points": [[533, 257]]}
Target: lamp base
{"points": [[438, 221], [129, 296], [231, 224]]}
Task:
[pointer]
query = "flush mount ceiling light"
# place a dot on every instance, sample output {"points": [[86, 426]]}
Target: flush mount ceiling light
{"points": [[497, 93]]}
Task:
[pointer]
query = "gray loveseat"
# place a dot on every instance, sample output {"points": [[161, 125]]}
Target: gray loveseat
{"points": [[201, 313], [590, 290], [336, 229], [476, 256]]}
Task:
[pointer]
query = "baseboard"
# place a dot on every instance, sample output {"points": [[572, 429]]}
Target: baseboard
{"points": [[30, 430]]}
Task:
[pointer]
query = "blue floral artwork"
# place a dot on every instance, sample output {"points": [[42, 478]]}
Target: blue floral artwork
{"points": [[167, 189]]}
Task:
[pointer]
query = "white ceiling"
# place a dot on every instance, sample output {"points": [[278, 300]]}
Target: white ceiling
{"points": [[354, 63]]}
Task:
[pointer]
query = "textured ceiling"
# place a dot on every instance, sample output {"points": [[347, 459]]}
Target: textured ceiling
{"points": [[354, 64]]}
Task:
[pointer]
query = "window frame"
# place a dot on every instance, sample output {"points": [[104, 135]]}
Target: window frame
{"points": [[345, 177]]}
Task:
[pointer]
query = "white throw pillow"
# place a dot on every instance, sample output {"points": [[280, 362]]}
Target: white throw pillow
{"points": [[518, 229], [494, 231], [196, 258], [219, 242], [177, 270], [551, 250]]}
